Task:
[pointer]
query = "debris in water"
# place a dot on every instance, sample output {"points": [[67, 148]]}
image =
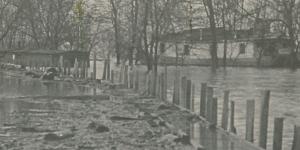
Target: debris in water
{"points": [[57, 136], [99, 128]]}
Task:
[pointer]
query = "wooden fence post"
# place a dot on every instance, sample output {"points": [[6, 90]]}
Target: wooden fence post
{"points": [[131, 77], [158, 87], [108, 70], [214, 112], [193, 98], [126, 77], [174, 100], [296, 141], [104, 70], [188, 94], [225, 110], [162, 87], [183, 91], [87, 69], [147, 83], [121, 75], [209, 98], [264, 115], [83, 70], [136, 87], [112, 78], [203, 100], [152, 78], [177, 85], [250, 112], [278, 132], [232, 116], [95, 66], [166, 83]]}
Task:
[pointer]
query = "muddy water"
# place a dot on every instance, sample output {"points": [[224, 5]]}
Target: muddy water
{"points": [[12, 87], [248, 83]]}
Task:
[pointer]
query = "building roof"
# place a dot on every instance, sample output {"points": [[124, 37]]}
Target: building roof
{"points": [[203, 35], [41, 51]]}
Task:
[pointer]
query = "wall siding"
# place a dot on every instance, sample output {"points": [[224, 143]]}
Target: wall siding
{"points": [[201, 51]]}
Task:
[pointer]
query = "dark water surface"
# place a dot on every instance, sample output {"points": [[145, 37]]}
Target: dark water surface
{"points": [[13, 87], [246, 84]]}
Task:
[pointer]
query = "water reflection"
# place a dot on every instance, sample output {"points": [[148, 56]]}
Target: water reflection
{"points": [[245, 84], [14, 87], [13, 112], [11, 87], [210, 139]]}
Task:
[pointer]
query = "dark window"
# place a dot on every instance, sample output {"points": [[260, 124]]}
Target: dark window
{"points": [[242, 48], [186, 50]]}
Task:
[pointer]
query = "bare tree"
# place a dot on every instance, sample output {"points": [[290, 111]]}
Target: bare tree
{"points": [[214, 45]]}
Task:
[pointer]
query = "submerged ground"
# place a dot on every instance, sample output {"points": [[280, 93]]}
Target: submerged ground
{"points": [[26, 121]]}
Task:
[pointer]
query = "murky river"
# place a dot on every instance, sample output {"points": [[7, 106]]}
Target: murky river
{"points": [[243, 83]]}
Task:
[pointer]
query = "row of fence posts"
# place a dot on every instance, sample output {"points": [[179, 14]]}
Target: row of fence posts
{"points": [[128, 76], [209, 112], [184, 96]]}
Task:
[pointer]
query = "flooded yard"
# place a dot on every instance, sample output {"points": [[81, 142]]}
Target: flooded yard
{"points": [[244, 84]]}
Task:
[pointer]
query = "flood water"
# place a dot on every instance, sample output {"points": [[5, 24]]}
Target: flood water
{"points": [[12, 87], [244, 84], [247, 84]]}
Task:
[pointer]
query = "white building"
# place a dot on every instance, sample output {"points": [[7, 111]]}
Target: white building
{"points": [[244, 47]]}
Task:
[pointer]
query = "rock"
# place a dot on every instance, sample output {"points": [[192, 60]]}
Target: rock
{"points": [[148, 135], [153, 122], [50, 74], [52, 70], [119, 118], [34, 130], [116, 86], [168, 138], [33, 74], [99, 128], [57, 136], [102, 128], [183, 138], [164, 107]]}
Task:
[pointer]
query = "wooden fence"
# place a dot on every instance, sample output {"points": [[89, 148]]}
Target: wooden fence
{"points": [[183, 96]]}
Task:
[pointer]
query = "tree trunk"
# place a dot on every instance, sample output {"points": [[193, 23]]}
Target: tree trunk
{"points": [[214, 44], [116, 28], [133, 31], [147, 54], [225, 37]]}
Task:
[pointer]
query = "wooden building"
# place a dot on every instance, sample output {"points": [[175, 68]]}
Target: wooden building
{"points": [[244, 47]]}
